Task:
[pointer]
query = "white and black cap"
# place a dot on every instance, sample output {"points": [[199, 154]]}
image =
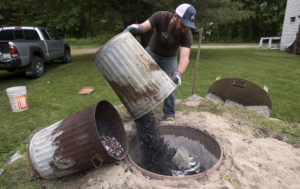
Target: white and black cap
{"points": [[187, 14]]}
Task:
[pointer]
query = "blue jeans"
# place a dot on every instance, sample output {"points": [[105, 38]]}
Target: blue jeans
{"points": [[169, 65]]}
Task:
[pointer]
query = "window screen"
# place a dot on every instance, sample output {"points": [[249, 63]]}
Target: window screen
{"points": [[6, 35], [31, 35]]}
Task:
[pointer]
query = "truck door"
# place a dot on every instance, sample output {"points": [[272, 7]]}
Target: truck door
{"points": [[49, 44], [58, 45]]}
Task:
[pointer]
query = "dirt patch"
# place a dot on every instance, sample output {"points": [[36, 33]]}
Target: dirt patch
{"points": [[83, 51], [252, 159]]}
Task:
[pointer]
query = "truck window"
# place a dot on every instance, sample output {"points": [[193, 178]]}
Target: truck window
{"points": [[46, 36], [6, 35], [52, 34], [19, 34], [31, 35]]}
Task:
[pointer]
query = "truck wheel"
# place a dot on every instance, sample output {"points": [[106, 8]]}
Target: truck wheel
{"points": [[67, 56], [37, 67]]}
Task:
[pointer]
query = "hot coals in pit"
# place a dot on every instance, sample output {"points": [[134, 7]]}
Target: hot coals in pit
{"points": [[157, 156]]}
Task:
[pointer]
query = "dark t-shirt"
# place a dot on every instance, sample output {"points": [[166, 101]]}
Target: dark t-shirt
{"points": [[159, 43]]}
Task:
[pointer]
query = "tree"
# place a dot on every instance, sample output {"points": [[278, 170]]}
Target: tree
{"points": [[233, 19], [266, 20]]}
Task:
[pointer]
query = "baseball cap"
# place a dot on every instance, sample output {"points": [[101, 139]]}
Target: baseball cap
{"points": [[187, 14]]}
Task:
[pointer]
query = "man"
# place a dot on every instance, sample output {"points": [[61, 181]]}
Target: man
{"points": [[171, 31]]}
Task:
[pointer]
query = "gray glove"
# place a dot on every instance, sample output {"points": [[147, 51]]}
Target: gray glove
{"points": [[177, 76], [135, 29]]}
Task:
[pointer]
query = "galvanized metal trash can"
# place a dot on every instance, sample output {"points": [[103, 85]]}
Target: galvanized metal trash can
{"points": [[73, 144], [132, 73]]}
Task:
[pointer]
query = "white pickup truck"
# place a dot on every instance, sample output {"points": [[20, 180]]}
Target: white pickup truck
{"points": [[29, 48]]}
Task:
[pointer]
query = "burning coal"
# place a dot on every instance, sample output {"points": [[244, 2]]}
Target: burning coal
{"points": [[157, 155]]}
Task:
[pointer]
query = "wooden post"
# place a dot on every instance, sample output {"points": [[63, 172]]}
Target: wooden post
{"points": [[197, 60]]}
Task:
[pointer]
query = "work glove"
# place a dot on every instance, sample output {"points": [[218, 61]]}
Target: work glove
{"points": [[177, 79], [135, 29]]}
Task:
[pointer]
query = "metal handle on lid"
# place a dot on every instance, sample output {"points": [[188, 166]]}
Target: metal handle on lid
{"points": [[242, 85], [97, 160]]}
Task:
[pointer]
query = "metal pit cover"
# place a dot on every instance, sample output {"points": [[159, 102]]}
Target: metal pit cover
{"points": [[241, 91]]}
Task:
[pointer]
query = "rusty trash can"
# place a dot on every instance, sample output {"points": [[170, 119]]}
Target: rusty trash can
{"points": [[73, 144], [132, 73]]}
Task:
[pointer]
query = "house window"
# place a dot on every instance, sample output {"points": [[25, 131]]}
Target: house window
{"points": [[292, 19]]}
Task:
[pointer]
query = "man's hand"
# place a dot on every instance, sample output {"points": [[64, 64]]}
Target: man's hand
{"points": [[177, 79], [135, 29]]}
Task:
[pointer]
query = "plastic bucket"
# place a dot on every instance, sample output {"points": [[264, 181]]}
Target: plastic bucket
{"points": [[18, 98], [74, 144]]}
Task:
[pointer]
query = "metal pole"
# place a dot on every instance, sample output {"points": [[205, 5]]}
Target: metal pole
{"points": [[197, 60]]}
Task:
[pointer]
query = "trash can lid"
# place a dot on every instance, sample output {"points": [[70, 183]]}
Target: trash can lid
{"points": [[241, 91]]}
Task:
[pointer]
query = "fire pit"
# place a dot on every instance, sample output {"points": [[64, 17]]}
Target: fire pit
{"points": [[204, 150]]}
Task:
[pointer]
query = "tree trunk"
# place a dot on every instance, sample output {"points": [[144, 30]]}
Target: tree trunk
{"points": [[89, 27], [83, 25]]}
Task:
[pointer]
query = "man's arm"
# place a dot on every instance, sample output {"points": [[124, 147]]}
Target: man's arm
{"points": [[139, 28], [183, 64], [146, 26], [184, 59]]}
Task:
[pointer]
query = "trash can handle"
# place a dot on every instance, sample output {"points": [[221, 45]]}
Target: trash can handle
{"points": [[97, 160], [242, 85]]}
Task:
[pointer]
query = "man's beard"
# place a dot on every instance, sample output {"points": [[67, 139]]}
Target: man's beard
{"points": [[171, 32]]}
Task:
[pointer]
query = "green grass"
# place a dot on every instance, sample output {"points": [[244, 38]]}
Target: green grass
{"points": [[88, 43], [51, 98], [229, 43], [96, 42], [54, 96], [275, 69], [19, 175]]}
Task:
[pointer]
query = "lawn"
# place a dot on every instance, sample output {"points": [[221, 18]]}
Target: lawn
{"points": [[54, 96], [89, 43], [95, 42]]}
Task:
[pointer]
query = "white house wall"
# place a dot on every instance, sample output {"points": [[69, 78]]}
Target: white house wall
{"points": [[290, 28]]}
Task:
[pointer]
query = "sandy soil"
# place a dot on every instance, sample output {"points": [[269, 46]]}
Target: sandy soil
{"points": [[249, 161]]}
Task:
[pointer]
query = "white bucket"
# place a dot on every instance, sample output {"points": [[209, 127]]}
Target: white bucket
{"points": [[18, 98]]}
